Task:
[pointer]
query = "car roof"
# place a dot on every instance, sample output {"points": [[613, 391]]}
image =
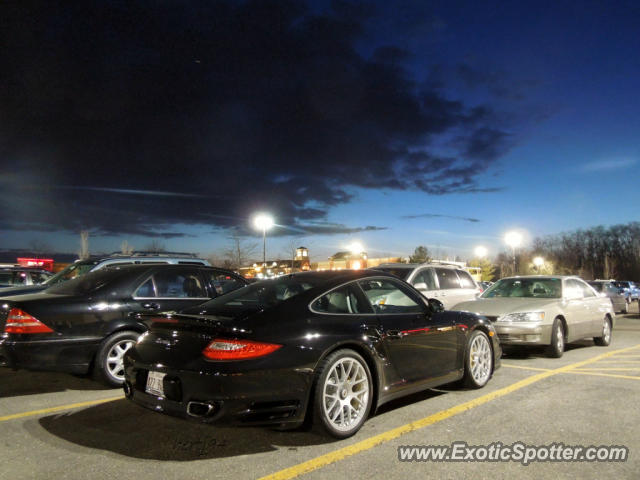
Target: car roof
{"points": [[416, 265], [542, 277]]}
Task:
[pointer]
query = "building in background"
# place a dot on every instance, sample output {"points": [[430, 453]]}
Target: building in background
{"points": [[276, 268]]}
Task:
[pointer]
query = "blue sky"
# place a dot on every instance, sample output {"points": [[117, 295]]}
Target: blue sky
{"points": [[560, 80]]}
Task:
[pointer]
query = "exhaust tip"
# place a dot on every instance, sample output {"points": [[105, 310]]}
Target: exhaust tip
{"points": [[200, 409], [128, 391]]}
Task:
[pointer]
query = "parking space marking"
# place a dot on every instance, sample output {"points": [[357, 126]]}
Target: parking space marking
{"points": [[60, 408], [522, 367], [371, 442], [597, 374], [596, 369]]}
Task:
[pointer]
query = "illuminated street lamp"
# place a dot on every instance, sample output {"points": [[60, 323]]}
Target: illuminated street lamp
{"points": [[480, 251], [538, 262], [263, 222], [514, 240]]}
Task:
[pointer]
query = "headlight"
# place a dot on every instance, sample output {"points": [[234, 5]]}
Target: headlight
{"points": [[522, 317]]}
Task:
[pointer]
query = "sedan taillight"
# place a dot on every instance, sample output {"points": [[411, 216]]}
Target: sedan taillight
{"points": [[19, 321], [222, 349]]}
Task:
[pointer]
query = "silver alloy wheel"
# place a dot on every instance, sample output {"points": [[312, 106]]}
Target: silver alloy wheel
{"points": [[606, 331], [345, 394], [560, 338], [480, 359], [115, 364]]}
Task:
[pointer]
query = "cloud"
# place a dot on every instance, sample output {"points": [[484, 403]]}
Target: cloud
{"points": [[139, 116], [438, 215], [605, 165]]}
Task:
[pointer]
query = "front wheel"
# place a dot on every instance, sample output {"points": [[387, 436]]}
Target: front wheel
{"points": [[556, 349], [605, 339], [478, 360], [109, 365], [343, 395]]}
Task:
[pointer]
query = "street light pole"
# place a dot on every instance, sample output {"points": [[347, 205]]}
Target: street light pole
{"points": [[264, 246], [263, 222], [513, 239]]}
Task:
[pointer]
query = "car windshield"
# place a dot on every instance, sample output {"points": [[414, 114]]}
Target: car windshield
{"points": [[525, 288], [87, 283], [257, 296], [402, 273], [72, 271]]}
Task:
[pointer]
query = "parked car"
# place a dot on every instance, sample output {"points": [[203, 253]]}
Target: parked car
{"points": [[619, 299], [545, 310], [447, 283], [22, 276], [334, 345], [80, 267], [630, 288], [86, 324]]}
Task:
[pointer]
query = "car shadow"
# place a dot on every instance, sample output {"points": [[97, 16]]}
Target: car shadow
{"points": [[126, 429], [415, 398], [527, 352], [23, 382]]}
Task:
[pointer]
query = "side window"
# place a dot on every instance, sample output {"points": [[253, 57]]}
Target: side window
{"points": [[343, 300], [573, 290], [447, 278], [586, 290], [178, 285], [465, 279], [222, 283], [386, 297], [38, 277], [425, 280], [146, 290]]}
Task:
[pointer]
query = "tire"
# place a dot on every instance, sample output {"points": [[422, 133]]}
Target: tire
{"points": [[478, 364], [605, 339], [343, 385], [108, 367], [556, 348], [626, 308]]}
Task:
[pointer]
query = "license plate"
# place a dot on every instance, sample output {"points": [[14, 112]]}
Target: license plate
{"points": [[154, 383]]}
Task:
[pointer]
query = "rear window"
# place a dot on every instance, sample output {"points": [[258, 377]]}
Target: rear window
{"points": [[87, 283]]}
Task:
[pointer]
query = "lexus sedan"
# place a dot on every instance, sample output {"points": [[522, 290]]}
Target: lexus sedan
{"points": [[329, 347], [545, 310], [86, 324]]}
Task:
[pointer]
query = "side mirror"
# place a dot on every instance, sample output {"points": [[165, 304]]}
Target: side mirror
{"points": [[420, 286], [436, 305]]}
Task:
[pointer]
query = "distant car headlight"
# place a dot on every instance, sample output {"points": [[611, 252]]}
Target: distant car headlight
{"points": [[522, 317]]}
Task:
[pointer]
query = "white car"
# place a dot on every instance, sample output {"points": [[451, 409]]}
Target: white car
{"points": [[447, 283], [545, 310]]}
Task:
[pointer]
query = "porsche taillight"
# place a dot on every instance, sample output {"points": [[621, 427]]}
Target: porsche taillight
{"points": [[19, 321], [222, 349]]}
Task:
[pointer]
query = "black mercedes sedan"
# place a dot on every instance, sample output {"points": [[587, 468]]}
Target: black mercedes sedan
{"points": [[86, 324], [329, 347]]}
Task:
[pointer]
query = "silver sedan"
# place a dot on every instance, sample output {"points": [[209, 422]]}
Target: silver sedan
{"points": [[545, 310]]}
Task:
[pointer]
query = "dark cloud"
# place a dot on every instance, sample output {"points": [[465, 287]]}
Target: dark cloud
{"points": [[144, 117], [438, 215]]}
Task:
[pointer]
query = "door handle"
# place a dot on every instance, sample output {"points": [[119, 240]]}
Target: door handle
{"points": [[151, 306]]}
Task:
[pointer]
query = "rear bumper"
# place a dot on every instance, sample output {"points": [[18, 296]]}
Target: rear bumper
{"points": [[56, 355], [524, 333], [264, 397]]}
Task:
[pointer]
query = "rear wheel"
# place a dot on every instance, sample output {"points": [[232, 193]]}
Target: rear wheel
{"points": [[556, 349], [109, 366], [479, 360], [343, 395], [605, 339]]}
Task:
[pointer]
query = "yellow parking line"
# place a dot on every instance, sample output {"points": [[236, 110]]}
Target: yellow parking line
{"points": [[369, 443], [596, 374], [521, 367], [597, 369], [59, 408]]}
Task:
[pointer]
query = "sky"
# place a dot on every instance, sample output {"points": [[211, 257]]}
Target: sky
{"points": [[391, 124]]}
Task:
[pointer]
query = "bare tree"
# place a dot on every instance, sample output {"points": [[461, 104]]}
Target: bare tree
{"points": [[156, 246], [291, 249], [125, 248], [83, 254], [239, 251]]}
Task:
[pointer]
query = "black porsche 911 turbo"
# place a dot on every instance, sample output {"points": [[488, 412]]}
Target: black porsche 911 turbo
{"points": [[325, 346], [86, 324]]}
